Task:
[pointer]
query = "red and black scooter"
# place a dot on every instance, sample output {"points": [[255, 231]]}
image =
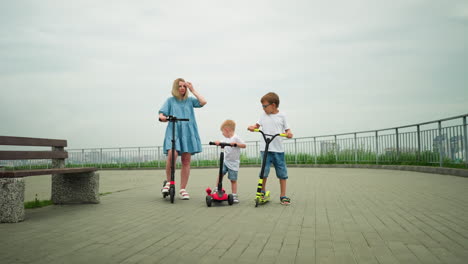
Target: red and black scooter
{"points": [[173, 120], [220, 195]]}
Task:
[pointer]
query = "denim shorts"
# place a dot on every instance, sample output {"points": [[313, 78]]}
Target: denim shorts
{"points": [[277, 158], [232, 174]]}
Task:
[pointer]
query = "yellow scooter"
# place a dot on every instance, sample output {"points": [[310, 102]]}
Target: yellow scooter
{"points": [[264, 197]]}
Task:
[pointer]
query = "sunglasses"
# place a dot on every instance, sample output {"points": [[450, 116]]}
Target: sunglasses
{"points": [[265, 106]]}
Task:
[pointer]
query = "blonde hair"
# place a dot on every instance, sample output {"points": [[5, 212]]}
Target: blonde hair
{"points": [[229, 124], [271, 98], [175, 89]]}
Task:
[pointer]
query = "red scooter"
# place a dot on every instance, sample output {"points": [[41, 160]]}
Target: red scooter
{"points": [[220, 195]]}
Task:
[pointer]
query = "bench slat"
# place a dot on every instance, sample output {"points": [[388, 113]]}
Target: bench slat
{"points": [[26, 141], [24, 173], [25, 155]]}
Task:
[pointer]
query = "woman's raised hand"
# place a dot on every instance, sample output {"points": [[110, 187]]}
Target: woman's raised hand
{"points": [[189, 86]]}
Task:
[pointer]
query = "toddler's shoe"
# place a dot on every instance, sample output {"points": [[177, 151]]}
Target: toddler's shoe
{"points": [[236, 198]]}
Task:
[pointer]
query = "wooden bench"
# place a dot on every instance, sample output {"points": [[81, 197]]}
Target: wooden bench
{"points": [[69, 185]]}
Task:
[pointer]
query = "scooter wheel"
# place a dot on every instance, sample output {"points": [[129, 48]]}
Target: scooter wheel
{"points": [[257, 201], [230, 199], [172, 194], [209, 200]]}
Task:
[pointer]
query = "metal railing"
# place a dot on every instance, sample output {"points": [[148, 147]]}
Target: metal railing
{"points": [[435, 143]]}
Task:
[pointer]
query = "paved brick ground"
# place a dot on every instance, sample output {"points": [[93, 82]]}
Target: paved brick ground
{"points": [[337, 216]]}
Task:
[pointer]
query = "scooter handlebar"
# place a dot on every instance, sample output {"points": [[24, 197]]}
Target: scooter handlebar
{"points": [[171, 118], [281, 134], [223, 144]]}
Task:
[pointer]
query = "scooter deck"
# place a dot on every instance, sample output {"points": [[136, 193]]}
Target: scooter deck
{"points": [[216, 198], [262, 199]]}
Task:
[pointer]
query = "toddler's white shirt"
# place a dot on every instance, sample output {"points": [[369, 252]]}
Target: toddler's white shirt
{"points": [[232, 154]]}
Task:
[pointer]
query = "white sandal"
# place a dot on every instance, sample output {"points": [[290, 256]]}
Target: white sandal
{"points": [[184, 194], [165, 189]]}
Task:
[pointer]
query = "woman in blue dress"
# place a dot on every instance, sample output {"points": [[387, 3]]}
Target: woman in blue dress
{"points": [[187, 140]]}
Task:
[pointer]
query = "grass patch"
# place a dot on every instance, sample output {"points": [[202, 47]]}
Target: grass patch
{"points": [[37, 203]]}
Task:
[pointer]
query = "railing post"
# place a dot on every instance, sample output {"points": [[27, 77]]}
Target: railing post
{"points": [[258, 152], [465, 140], [120, 157], [397, 144], [376, 147], [100, 159], [315, 150], [355, 149], [139, 157], [441, 155], [295, 151], [336, 150], [418, 155], [159, 156]]}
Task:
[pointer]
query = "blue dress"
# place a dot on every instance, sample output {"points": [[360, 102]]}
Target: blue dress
{"points": [[186, 134]]}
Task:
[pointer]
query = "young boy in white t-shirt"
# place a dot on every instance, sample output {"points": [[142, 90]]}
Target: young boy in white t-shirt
{"points": [[272, 122], [231, 155]]}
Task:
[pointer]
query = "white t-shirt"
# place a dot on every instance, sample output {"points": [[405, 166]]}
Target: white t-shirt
{"points": [[273, 124], [232, 154]]}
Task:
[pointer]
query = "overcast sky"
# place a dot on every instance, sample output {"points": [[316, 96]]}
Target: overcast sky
{"points": [[97, 72]]}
